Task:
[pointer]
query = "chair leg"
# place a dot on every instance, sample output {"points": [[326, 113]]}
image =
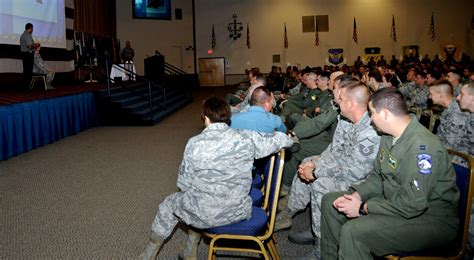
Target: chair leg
{"points": [[273, 249], [44, 83], [32, 83], [210, 255]]}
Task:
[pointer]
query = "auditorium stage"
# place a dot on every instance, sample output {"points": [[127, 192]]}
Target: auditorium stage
{"points": [[10, 95], [34, 118]]}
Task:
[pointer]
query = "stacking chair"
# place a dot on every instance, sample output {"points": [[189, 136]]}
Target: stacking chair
{"points": [[40, 77], [258, 230], [457, 249], [262, 168]]}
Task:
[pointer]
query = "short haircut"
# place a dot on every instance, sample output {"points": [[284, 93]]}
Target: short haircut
{"points": [[325, 74], [358, 92], [260, 95], [312, 75], [28, 26], [217, 110], [376, 75], [390, 99], [469, 88], [443, 86], [255, 71], [456, 75], [345, 80], [435, 74], [262, 79]]}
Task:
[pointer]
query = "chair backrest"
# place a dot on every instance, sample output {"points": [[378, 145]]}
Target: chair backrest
{"points": [[273, 191], [267, 177], [466, 190]]}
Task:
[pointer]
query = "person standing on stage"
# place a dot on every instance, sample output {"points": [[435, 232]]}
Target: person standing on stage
{"points": [[127, 53], [27, 48]]}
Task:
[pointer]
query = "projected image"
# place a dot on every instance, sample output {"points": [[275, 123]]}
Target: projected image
{"points": [[152, 9], [47, 17]]}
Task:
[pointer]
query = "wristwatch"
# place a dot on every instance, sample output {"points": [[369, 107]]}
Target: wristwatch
{"points": [[362, 211]]}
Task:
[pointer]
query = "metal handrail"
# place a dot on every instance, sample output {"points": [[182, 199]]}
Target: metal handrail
{"points": [[174, 69], [149, 83]]}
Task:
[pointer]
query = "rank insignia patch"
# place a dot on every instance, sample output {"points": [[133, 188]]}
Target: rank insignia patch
{"points": [[366, 147], [392, 162]]}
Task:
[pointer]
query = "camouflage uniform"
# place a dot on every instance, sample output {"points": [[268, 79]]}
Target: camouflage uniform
{"points": [[314, 135], [406, 89], [347, 160], [457, 89], [215, 177], [456, 129], [411, 196], [419, 97]]}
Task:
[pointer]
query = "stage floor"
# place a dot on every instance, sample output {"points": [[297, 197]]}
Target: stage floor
{"points": [[10, 96]]}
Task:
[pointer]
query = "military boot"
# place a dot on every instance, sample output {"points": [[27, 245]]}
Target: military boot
{"points": [[152, 248], [283, 220], [191, 246], [302, 238]]}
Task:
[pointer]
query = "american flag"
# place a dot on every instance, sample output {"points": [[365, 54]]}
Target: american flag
{"points": [[394, 33], [213, 40], [248, 36], [432, 28], [286, 39], [354, 32], [316, 36]]}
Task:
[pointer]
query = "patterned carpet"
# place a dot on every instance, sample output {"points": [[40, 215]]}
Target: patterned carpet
{"points": [[94, 195]]}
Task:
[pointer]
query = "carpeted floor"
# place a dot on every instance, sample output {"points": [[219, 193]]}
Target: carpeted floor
{"points": [[94, 195]]}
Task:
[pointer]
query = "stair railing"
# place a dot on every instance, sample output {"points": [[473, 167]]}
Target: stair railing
{"points": [[148, 82]]}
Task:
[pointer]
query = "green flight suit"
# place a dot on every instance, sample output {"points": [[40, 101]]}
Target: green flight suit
{"points": [[411, 195], [314, 134], [300, 102]]}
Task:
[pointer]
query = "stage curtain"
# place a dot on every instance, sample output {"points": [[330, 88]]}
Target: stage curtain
{"points": [[95, 17], [28, 125]]}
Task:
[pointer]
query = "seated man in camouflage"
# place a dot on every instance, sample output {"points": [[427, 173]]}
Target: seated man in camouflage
{"points": [[347, 160], [216, 170], [454, 125], [408, 201]]}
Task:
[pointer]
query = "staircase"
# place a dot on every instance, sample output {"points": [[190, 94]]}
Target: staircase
{"points": [[132, 105]]}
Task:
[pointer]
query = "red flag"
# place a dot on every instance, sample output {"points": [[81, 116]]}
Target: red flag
{"points": [[316, 30], [432, 28], [286, 39], [248, 36], [394, 33], [354, 32], [213, 40]]}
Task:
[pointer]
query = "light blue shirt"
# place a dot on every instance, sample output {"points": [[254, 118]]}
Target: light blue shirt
{"points": [[257, 119]]}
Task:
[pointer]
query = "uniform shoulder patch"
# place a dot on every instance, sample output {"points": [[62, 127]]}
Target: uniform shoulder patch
{"points": [[366, 147], [424, 163]]}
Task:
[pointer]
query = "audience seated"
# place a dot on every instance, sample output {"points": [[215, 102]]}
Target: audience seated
{"points": [[258, 116], [214, 179]]}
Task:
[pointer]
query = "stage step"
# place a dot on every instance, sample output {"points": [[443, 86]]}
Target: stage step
{"points": [[130, 105]]}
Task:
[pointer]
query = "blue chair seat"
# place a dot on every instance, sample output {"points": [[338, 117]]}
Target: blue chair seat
{"points": [[257, 181], [255, 226], [257, 197]]}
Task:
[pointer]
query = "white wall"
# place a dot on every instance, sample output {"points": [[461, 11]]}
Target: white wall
{"points": [[170, 37], [374, 17], [266, 19]]}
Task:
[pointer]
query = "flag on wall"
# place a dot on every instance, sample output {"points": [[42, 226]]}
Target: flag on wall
{"points": [[354, 32], [394, 32], [286, 39], [248, 36], [213, 40], [432, 28], [316, 30]]}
